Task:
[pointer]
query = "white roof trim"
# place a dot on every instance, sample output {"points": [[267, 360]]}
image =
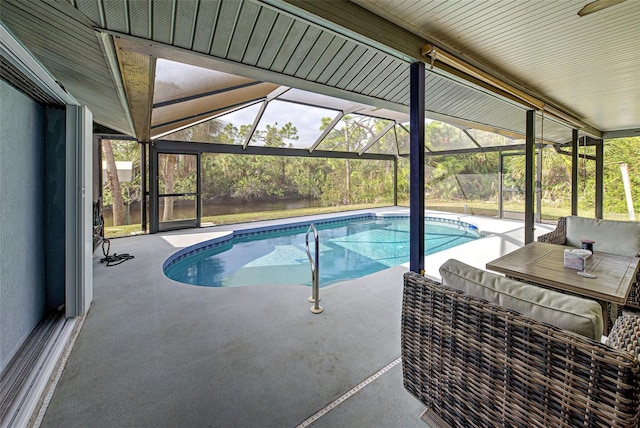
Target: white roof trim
{"points": [[24, 61]]}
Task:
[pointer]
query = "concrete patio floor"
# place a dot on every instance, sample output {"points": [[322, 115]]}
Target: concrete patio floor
{"points": [[155, 352]]}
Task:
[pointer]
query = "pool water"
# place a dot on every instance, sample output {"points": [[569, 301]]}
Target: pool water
{"points": [[348, 250]]}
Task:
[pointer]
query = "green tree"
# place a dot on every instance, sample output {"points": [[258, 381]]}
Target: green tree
{"points": [[352, 135], [182, 167], [617, 151], [115, 193], [113, 183]]}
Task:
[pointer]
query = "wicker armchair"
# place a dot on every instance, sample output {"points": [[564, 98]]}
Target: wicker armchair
{"points": [[559, 236], [474, 363]]}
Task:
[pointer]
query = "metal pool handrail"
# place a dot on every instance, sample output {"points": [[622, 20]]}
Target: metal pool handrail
{"points": [[315, 269]]}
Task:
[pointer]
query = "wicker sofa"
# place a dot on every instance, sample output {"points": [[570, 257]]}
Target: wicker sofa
{"points": [[611, 244], [475, 363]]}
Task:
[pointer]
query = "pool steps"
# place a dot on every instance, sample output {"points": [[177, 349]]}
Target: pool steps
{"points": [[228, 238]]}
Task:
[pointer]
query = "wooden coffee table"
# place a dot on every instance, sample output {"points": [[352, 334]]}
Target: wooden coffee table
{"points": [[543, 263]]}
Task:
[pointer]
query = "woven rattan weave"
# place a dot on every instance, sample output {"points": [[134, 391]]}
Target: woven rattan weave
{"points": [[476, 364]]}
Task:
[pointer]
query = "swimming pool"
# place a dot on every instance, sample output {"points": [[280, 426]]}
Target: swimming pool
{"points": [[349, 248]]}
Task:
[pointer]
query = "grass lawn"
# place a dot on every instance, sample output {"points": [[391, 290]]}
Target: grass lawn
{"points": [[480, 208], [127, 230]]}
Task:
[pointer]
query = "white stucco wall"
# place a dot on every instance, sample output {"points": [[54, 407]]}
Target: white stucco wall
{"points": [[22, 288]]}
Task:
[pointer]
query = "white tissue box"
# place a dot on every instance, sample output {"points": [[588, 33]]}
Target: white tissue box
{"points": [[576, 259]]}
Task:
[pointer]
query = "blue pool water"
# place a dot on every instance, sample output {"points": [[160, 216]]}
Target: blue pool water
{"points": [[348, 249]]}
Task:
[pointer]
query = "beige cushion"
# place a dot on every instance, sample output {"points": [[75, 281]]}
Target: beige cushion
{"points": [[576, 314], [610, 236]]}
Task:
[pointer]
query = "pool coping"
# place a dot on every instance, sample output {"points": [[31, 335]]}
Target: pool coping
{"points": [[228, 237]]}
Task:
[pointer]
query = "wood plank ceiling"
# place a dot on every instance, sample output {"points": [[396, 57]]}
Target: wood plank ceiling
{"points": [[586, 64], [105, 54]]}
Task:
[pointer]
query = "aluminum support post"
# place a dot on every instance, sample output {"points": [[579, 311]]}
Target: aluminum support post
{"points": [[574, 172], [395, 182], [143, 186], [530, 143], [599, 177], [416, 168], [154, 221]]}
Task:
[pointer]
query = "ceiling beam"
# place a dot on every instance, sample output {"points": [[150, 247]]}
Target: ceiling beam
{"points": [[138, 79], [206, 94], [476, 150], [195, 119], [109, 52], [377, 138], [236, 149], [438, 57], [351, 20], [173, 53], [348, 19], [622, 133]]}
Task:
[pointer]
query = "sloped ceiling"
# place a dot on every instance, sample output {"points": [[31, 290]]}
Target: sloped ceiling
{"points": [[588, 65], [106, 55], [66, 44]]}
